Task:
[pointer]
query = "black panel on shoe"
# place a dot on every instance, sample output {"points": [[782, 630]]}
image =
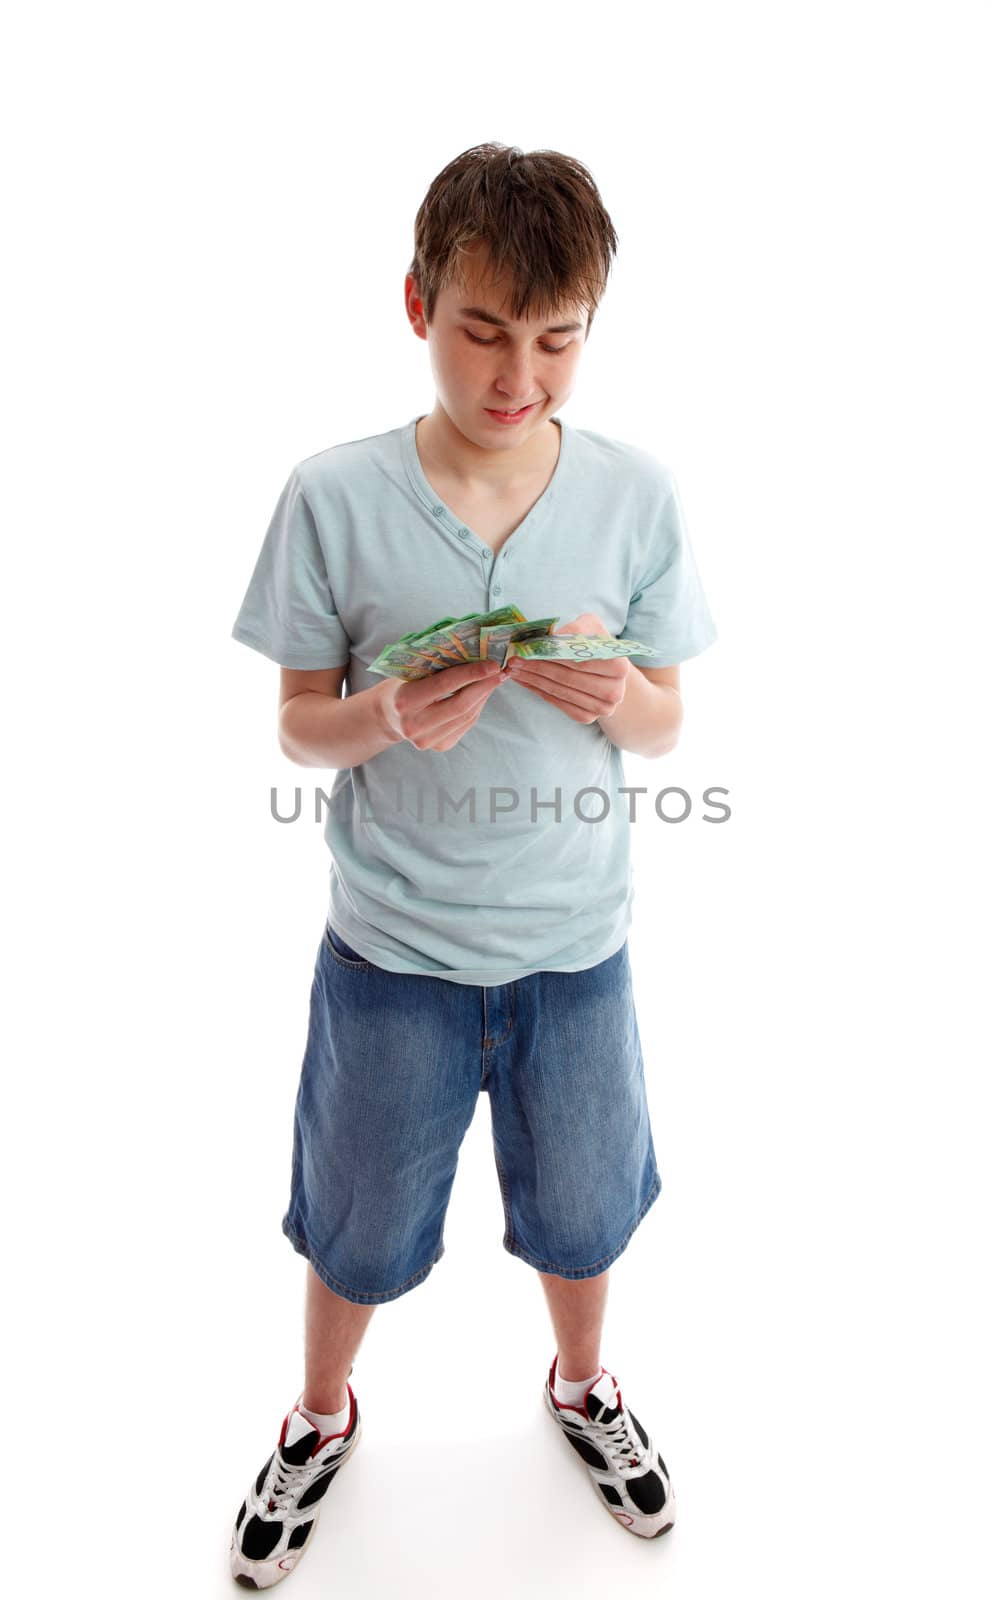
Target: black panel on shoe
{"points": [[597, 1411], [647, 1492], [636, 1424], [260, 1538], [316, 1489], [610, 1494], [245, 1581], [300, 1451], [584, 1448], [260, 1480], [299, 1534], [238, 1519]]}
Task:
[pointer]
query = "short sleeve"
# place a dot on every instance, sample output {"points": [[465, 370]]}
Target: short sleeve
{"points": [[288, 612], [668, 610]]}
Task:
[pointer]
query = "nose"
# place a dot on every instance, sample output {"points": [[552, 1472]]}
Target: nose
{"points": [[514, 377]]}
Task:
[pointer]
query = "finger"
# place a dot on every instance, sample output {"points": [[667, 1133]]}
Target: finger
{"points": [[440, 685], [476, 686], [458, 731], [569, 693], [421, 722], [576, 713], [587, 623], [554, 673], [443, 715], [468, 702], [445, 734]]}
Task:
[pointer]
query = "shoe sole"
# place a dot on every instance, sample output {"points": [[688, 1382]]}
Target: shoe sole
{"points": [[550, 1407], [245, 1580]]}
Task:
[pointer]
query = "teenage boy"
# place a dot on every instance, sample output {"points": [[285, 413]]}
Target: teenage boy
{"points": [[480, 882]]}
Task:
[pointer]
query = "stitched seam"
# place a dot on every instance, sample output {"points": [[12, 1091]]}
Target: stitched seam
{"points": [[351, 966]]}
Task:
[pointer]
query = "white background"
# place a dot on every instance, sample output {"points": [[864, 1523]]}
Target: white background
{"points": [[210, 213]]}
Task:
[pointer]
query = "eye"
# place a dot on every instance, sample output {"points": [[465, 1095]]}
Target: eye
{"points": [[550, 349]]}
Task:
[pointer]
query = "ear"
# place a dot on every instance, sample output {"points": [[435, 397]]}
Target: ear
{"points": [[414, 306]]}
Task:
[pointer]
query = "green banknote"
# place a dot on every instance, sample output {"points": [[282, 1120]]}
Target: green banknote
{"points": [[410, 656], [576, 647], [443, 644], [495, 641], [493, 636], [461, 641]]}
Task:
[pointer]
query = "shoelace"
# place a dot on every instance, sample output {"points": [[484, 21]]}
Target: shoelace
{"points": [[283, 1481], [619, 1442]]}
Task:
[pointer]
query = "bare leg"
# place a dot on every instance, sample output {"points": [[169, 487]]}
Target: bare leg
{"points": [[334, 1330], [577, 1307]]}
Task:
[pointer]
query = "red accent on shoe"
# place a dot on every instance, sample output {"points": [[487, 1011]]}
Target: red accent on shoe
{"points": [[564, 1405], [322, 1442]]}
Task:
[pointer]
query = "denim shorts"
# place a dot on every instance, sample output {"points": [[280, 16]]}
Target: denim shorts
{"points": [[392, 1072]]}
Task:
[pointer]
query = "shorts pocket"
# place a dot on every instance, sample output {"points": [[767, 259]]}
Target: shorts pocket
{"points": [[342, 952]]}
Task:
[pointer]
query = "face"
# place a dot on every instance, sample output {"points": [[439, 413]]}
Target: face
{"points": [[482, 365]]}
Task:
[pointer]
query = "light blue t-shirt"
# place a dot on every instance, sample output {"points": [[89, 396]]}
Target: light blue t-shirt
{"points": [[463, 864]]}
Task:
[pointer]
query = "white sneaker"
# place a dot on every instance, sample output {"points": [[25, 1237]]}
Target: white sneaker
{"points": [[280, 1512], [622, 1462]]}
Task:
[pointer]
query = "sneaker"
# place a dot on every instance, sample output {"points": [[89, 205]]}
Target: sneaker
{"points": [[280, 1512], [622, 1462]]}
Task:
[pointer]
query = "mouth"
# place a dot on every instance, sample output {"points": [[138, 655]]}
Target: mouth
{"points": [[511, 416]]}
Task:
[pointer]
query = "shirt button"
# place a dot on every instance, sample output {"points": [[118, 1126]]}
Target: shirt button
{"points": [[487, 555], [436, 511], [498, 589], [463, 532]]}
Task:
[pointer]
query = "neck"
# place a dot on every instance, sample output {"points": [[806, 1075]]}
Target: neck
{"points": [[444, 450]]}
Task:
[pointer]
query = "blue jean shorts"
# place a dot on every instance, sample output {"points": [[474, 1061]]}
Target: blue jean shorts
{"points": [[392, 1072]]}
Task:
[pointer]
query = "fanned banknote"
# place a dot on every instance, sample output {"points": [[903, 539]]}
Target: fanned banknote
{"points": [[442, 644], [495, 641], [494, 636], [461, 641], [576, 647]]}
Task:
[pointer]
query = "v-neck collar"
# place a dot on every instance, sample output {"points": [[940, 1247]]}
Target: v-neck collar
{"points": [[447, 518]]}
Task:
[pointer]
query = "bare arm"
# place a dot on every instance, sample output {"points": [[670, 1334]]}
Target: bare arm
{"points": [[649, 718], [638, 708], [318, 728]]}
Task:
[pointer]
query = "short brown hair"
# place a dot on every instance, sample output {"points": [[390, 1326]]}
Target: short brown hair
{"points": [[539, 215]]}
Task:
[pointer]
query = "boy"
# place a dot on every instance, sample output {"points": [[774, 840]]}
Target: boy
{"points": [[476, 933]]}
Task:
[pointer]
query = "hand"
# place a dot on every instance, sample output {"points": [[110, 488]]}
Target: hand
{"points": [[433, 713], [584, 690]]}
